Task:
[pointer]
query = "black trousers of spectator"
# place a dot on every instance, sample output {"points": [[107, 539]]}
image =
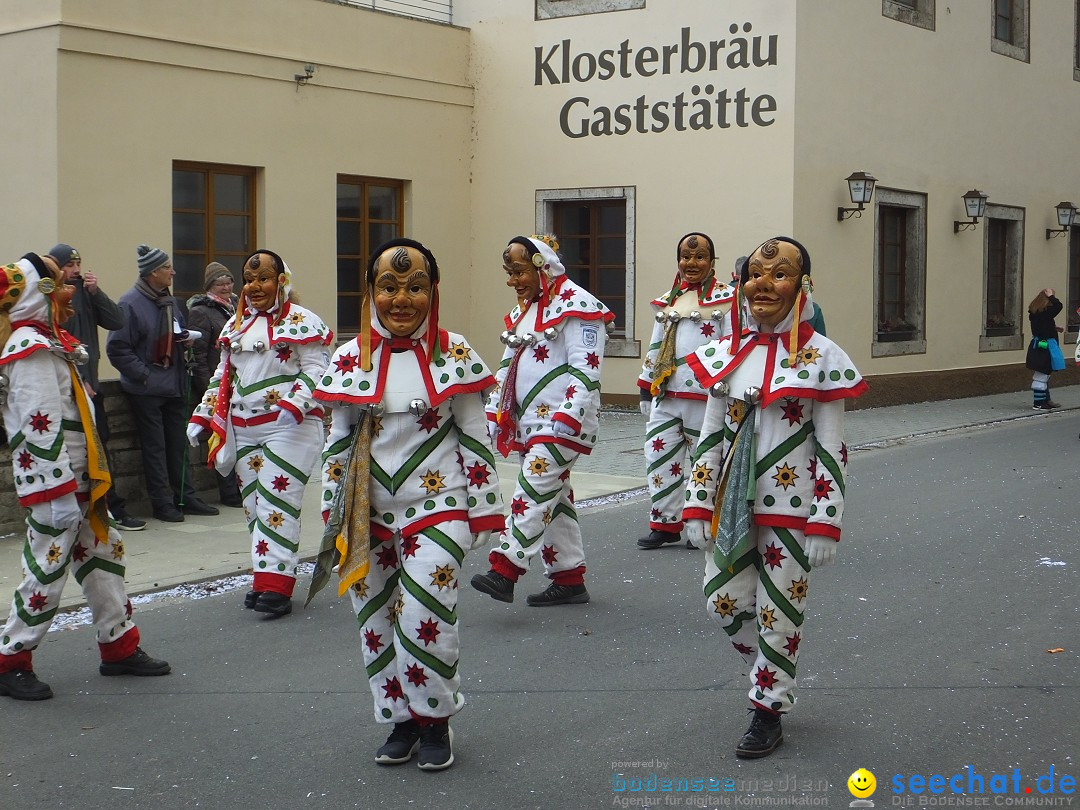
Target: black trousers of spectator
{"points": [[117, 505], [161, 423]]}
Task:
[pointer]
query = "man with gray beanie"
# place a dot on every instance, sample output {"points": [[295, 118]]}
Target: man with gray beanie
{"points": [[153, 374], [93, 308]]}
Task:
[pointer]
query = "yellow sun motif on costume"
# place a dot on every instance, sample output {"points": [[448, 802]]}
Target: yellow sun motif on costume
{"points": [[547, 517], [394, 611], [648, 362], [701, 474], [657, 481], [210, 400], [543, 411], [52, 556], [361, 587], [736, 411], [271, 397], [296, 317], [725, 605], [809, 356], [255, 463], [442, 576], [433, 482], [376, 425], [460, 352], [118, 550], [768, 616], [538, 465], [275, 520], [334, 471], [798, 589], [785, 476]]}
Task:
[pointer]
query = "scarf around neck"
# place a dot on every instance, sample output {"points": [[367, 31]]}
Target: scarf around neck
{"points": [[161, 341]]}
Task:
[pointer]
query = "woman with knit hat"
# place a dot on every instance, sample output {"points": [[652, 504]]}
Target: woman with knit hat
{"points": [[409, 486], [264, 421], [208, 313]]}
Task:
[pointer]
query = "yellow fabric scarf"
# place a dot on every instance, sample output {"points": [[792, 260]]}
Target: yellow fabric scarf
{"points": [[97, 512]]}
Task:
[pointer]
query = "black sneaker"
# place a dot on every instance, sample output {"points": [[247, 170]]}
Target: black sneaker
{"points": [[436, 747], [197, 506], [494, 585], [762, 738], [128, 523], [400, 746], [23, 684], [138, 663], [559, 595], [1042, 406], [276, 604], [250, 598], [169, 514], [658, 538]]}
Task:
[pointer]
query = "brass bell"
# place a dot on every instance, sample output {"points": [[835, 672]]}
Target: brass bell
{"points": [[719, 389]]}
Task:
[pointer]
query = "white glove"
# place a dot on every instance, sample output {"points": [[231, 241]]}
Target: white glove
{"points": [[698, 535], [493, 430], [562, 429], [62, 513], [286, 418], [820, 550], [645, 406], [194, 433], [481, 539]]}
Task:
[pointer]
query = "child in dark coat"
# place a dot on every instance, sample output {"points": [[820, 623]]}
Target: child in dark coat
{"points": [[1044, 352]]}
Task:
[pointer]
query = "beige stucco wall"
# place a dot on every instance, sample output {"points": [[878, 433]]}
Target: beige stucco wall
{"points": [[735, 184]]}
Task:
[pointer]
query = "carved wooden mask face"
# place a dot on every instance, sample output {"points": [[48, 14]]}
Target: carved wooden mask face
{"points": [[402, 290], [774, 276]]}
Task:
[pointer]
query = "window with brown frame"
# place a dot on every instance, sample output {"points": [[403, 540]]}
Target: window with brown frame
{"points": [[1003, 20], [592, 244], [1009, 27], [893, 323], [213, 221], [1071, 315], [997, 315], [370, 211], [919, 13]]}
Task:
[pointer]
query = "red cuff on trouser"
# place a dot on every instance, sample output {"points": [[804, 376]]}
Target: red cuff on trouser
{"points": [[121, 648], [274, 583], [575, 576], [19, 660], [666, 528], [427, 721], [501, 565]]}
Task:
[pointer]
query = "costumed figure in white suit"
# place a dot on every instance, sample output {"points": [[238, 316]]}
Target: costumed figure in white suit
{"points": [[62, 477], [547, 409], [264, 421], [767, 488], [688, 316], [409, 487]]}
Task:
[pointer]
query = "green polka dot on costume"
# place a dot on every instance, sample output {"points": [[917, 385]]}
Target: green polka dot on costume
{"points": [[432, 702], [796, 501], [785, 363], [779, 380], [491, 497], [444, 378], [451, 501], [327, 380], [388, 518], [292, 331], [328, 496], [429, 505], [849, 374], [477, 368], [813, 509], [834, 375], [505, 546], [303, 330], [804, 374], [410, 512], [768, 500], [57, 473], [364, 385], [387, 713], [460, 372], [471, 502], [262, 563], [701, 495], [281, 567], [24, 344], [830, 511], [7, 640], [821, 376], [709, 352], [521, 555]]}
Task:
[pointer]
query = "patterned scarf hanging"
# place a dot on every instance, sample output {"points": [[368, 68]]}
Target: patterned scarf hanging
{"points": [[97, 512], [735, 495], [506, 416], [665, 363]]}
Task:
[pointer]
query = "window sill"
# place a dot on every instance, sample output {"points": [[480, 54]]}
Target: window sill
{"points": [[897, 348], [622, 347], [1006, 343]]}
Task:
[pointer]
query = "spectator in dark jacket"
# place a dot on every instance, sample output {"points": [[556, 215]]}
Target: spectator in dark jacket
{"points": [[207, 313], [93, 308], [1044, 352], [148, 354]]}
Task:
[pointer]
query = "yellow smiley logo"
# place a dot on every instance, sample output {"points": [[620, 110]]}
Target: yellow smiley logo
{"points": [[862, 784]]}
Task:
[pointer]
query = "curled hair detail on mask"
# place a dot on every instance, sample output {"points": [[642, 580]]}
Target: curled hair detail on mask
{"points": [[773, 246], [770, 248], [691, 241], [400, 259]]}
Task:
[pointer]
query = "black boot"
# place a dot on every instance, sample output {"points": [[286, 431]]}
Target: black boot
{"points": [[657, 538], [400, 745], [276, 604], [559, 595], [494, 585], [762, 738], [250, 598], [138, 663], [23, 684]]}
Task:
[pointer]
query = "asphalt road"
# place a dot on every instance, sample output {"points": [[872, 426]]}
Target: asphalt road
{"points": [[925, 653]]}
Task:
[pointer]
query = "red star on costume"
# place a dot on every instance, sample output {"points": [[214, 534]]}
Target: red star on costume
{"points": [[813, 467], [416, 675], [429, 420], [79, 552], [593, 360], [296, 387], [518, 507], [565, 476], [284, 353], [793, 411], [774, 556], [792, 645], [26, 461], [822, 487], [765, 678], [392, 689], [654, 514], [281, 483], [127, 608], [346, 363], [387, 557], [428, 632], [707, 330], [261, 548], [745, 650], [676, 470], [37, 601], [571, 391], [843, 452], [478, 474], [549, 554], [40, 422], [566, 294], [410, 545], [372, 640], [541, 353], [657, 445]]}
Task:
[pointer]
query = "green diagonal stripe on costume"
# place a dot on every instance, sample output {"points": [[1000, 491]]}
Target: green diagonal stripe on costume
{"points": [[380, 663], [270, 497], [676, 484], [283, 464], [723, 576], [706, 444], [536, 496], [661, 428], [95, 564], [258, 385], [834, 469], [777, 658], [791, 545], [246, 450], [664, 459], [781, 601], [564, 509], [427, 600], [33, 621], [445, 542], [480, 450], [73, 425], [35, 569], [522, 540], [43, 528], [737, 621], [49, 453], [411, 464], [430, 661], [291, 545], [781, 451], [378, 601], [557, 454], [337, 448], [538, 389], [590, 385]]}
